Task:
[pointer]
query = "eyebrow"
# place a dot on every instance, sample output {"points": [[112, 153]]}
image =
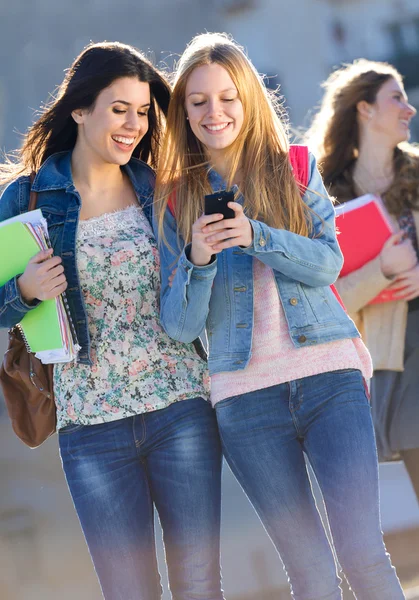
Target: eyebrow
{"points": [[128, 103], [221, 92]]}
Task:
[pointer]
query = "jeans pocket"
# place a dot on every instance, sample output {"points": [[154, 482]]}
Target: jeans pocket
{"points": [[72, 428], [228, 401], [343, 371]]}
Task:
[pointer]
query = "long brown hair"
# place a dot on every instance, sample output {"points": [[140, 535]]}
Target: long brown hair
{"points": [[261, 148], [96, 68], [334, 134]]}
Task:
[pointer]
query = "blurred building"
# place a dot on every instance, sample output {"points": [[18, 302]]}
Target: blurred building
{"points": [[295, 44]]}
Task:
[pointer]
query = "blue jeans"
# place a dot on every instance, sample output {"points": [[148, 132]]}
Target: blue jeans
{"points": [[118, 471], [265, 435]]}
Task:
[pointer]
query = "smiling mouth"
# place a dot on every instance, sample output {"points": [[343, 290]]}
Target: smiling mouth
{"points": [[124, 142], [216, 128]]}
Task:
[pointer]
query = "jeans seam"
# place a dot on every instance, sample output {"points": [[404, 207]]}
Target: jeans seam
{"points": [[293, 409], [152, 505], [138, 442]]}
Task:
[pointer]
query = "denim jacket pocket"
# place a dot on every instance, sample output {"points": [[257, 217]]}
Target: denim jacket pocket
{"points": [[55, 224]]}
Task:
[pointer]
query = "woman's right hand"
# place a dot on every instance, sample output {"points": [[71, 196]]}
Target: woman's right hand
{"points": [[43, 277], [397, 256], [201, 251]]}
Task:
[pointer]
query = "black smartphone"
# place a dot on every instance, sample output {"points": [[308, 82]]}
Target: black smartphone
{"points": [[217, 203]]}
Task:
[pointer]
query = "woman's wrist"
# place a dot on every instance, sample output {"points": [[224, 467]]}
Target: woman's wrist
{"points": [[27, 298]]}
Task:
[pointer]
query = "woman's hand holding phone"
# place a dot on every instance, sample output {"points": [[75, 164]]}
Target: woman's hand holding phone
{"points": [[212, 233], [43, 277], [230, 232], [201, 251]]}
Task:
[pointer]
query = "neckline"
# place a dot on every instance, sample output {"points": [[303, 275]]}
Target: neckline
{"points": [[111, 213]]}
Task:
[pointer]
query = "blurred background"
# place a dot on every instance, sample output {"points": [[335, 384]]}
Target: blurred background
{"points": [[296, 44]]}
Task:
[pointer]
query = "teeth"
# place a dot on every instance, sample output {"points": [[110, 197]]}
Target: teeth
{"points": [[217, 127], [123, 140]]}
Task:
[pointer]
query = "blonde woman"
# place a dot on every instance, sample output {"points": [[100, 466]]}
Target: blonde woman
{"points": [[287, 365], [360, 135]]}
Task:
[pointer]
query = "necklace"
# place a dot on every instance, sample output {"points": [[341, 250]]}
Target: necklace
{"points": [[368, 183]]}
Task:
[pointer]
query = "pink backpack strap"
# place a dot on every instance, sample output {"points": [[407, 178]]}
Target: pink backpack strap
{"points": [[172, 203], [299, 162]]}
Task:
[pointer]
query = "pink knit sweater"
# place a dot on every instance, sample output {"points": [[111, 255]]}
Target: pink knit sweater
{"points": [[274, 358]]}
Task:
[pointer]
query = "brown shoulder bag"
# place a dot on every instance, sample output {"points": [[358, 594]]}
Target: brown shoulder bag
{"points": [[27, 385]]}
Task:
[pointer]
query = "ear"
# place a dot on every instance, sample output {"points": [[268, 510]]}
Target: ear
{"points": [[364, 109], [78, 115]]}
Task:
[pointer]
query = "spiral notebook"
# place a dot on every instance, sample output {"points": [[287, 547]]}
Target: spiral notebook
{"points": [[47, 329]]}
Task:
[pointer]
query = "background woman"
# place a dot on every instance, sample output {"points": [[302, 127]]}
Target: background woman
{"points": [[360, 136], [286, 362], [135, 428]]}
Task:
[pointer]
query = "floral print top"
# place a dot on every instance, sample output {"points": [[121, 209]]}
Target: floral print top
{"points": [[136, 367]]}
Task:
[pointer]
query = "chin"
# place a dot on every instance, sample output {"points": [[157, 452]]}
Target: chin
{"points": [[404, 137], [121, 160]]}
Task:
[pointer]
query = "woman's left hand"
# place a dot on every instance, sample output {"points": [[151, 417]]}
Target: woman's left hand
{"points": [[230, 232], [409, 281]]}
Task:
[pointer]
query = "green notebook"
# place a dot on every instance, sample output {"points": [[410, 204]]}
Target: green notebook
{"points": [[40, 326]]}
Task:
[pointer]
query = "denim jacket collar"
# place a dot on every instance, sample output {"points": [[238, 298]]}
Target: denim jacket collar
{"points": [[217, 182], [55, 174]]}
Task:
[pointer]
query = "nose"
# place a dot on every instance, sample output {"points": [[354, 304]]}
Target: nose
{"points": [[412, 110], [214, 107], [133, 121]]}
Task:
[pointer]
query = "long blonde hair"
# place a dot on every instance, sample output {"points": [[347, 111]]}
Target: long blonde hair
{"points": [[261, 149]]}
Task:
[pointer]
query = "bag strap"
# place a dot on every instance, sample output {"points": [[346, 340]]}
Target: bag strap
{"points": [[33, 195], [299, 162]]}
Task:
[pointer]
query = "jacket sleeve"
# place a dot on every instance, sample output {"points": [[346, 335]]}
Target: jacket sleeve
{"points": [[12, 306], [184, 306], [361, 286], [314, 260]]}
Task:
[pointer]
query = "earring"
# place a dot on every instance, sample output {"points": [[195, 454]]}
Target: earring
{"points": [[187, 118]]}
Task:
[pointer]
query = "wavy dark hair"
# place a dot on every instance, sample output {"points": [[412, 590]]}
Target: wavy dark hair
{"points": [[95, 69]]}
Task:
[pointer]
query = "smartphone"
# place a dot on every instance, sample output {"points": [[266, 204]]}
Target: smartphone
{"points": [[217, 203]]}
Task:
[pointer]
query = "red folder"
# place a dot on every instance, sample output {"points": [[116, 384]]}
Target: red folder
{"points": [[363, 227]]}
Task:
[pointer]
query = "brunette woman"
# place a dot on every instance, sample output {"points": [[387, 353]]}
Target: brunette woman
{"points": [[361, 137], [135, 428]]}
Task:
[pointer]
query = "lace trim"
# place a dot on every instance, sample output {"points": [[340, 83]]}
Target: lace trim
{"points": [[125, 218]]}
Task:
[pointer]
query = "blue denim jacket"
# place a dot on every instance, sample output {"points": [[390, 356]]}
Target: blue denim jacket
{"points": [[60, 204], [217, 299]]}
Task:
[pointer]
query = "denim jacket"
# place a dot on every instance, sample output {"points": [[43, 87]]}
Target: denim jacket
{"points": [[60, 204], [217, 299]]}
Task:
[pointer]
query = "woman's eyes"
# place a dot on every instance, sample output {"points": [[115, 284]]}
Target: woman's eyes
{"points": [[119, 111], [222, 100]]}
